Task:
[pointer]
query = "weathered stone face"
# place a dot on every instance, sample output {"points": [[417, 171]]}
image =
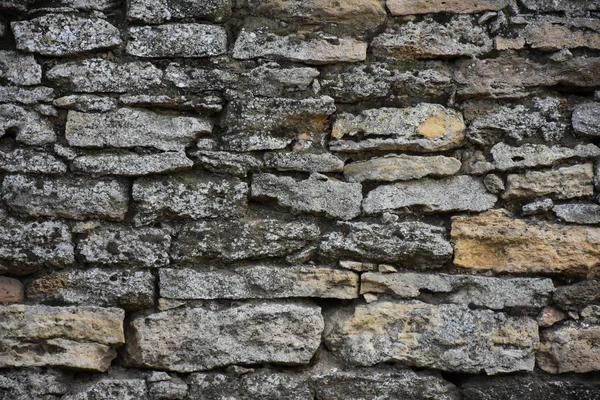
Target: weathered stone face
{"points": [[224, 162], [70, 337], [496, 241], [296, 161], [401, 168], [562, 183], [447, 337], [244, 334], [410, 7], [19, 69], [132, 164], [552, 33], [585, 119], [33, 384], [11, 290], [155, 12], [31, 161], [426, 127], [44, 35], [578, 213], [569, 348], [31, 128], [122, 388]]}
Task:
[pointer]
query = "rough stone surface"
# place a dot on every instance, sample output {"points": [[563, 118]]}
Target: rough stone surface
{"points": [[259, 282], [226, 162], [122, 388], [177, 40], [98, 75], [31, 161], [562, 183], [406, 243], [64, 35], [129, 127], [126, 289], [494, 184], [248, 334], [317, 194], [308, 162], [155, 12], [576, 297], [410, 7], [30, 128], [426, 127], [68, 197], [107, 245], [325, 49], [71, 337], [550, 5], [538, 207], [552, 33], [578, 213], [188, 196], [132, 164], [33, 384], [86, 103], [496, 241], [19, 69], [401, 168], [493, 293], [585, 119], [27, 96], [461, 193], [447, 337], [241, 239], [569, 348], [11, 290]]}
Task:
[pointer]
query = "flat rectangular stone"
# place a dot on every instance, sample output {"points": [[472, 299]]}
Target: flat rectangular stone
{"points": [[188, 196], [25, 160], [570, 348], [200, 79], [461, 193], [159, 11], [30, 127], [66, 196], [20, 69], [447, 337], [496, 241], [321, 50], [562, 183], [251, 333], [129, 127], [70, 337], [177, 40], [258, 282], [409, 7], [46, 35], [34, 95], [132, 164], [237, 164], [308, 162], [318, 194], [555, 5], [553, 34], [127, 289], [233, 240], [425, 127], [401, 168], [493, 293], [86, 103]]}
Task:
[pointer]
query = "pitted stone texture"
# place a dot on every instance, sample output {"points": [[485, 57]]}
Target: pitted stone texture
{"points": [[177, 40], [430, 39], [64, 35], [70, 337], [34, 95], [382, 385], [401, 168], [26, 247], [569, 348], [226, 162], [156, 12], [461, 193], [562, 183], [496, 241], [576, 297], [447, 337], [26, 160], [258, 282], [86, 103], [585, 119], [11, 290], [109, 387], [188, 196], [405, 243], [33, 384], [555, 33], [537, 207], [324, 49], [66, 196], [98, 75], [271, 80], [129, 127], [127, 289], [200, 78], [493, 293], [506, 157], [426, 127], [112, 245], [241, 239], [578, 213], [554, 5], [308, 162], [132, 164], [30, 127], [264, 385], [317, 194], [204, 339], [20, 69], [409, 7]]}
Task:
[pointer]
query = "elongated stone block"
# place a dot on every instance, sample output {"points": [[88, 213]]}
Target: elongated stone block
{"points": [[570, 348], [408, 7], [401, 168], [562, 183]]}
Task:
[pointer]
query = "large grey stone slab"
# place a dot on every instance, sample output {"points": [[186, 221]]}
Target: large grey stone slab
{"points": [[132, 164], [20, 69], [23, 95], [46, 35], [66, 196], [561, 183], [233, 240], [258, 282], [204, 339], [30, 127], [177, 40], [25, 160], [130, 127], [156, 12], [401, 168], [461, 193], [318, 194], [448, 337], [581, 213]]}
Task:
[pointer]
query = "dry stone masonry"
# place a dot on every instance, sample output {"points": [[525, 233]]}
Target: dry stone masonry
{"points": [[299, 199]]}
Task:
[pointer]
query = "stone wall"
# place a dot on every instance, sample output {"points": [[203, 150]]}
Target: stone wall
{"points": [[299, 199]]}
